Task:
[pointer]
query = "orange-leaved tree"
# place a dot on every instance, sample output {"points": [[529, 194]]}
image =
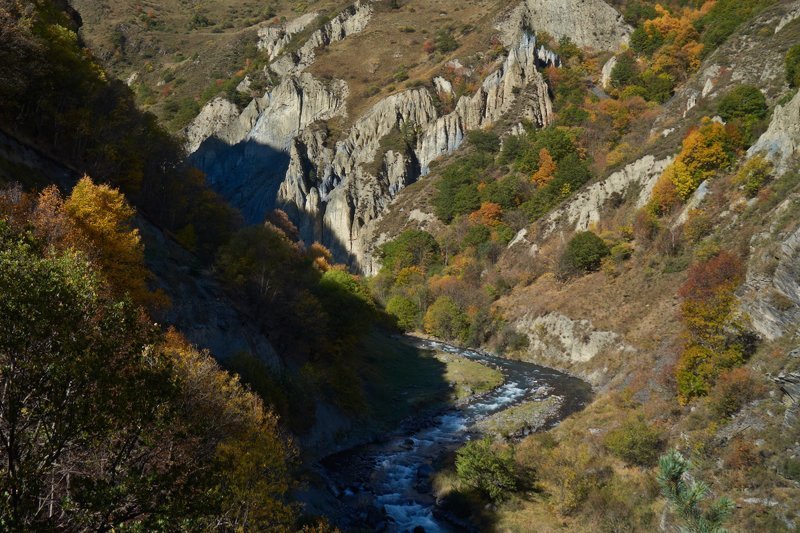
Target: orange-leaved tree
{"points": [[715, 336], [546, 171], [489, 214]]}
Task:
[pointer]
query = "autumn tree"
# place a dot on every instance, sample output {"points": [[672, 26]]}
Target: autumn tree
{"points": [[104, 218], [104, 423], [704, 152], [489, 214], [410, 248], [716, 338], [546, 171], [445, 320]]}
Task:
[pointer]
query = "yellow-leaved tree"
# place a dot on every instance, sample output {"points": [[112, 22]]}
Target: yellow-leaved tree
{"points": [[103, 217]]}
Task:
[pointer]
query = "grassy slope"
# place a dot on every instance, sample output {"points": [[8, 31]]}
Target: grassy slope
{"points": [[174, 58], [469, 377]]}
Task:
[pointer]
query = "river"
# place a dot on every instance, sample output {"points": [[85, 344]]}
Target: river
{"points": [[390, 478]]}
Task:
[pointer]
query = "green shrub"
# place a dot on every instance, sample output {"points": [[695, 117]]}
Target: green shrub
{"points": [[646, 43], [791, 469], [635, 442], [743, 102], [405, 311], [584, 253], [753, 175], [410, 248], [625, 72], [446, 321], [445, 42], [724, 18], [485, 141], [457, 189], [793, 66], [490, 472], [476, 235]]}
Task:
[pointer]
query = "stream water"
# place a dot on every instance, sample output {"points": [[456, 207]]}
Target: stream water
{"points": [[390, 479]]}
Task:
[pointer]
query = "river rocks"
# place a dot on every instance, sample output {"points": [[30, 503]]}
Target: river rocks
{"points": [[781, 142], [522, 419], [584, 208]]}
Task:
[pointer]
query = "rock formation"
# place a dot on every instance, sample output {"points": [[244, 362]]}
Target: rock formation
{"points": [[781, 142], [278, 152], [588, 23], [585, 208]]}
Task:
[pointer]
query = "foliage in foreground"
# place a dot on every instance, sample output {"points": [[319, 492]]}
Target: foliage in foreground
{"points": [[107, 423], [686, 497], [487, 470]]}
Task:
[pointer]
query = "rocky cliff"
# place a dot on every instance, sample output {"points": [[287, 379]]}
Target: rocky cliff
{"points": [[588, 23], [279, 152]]}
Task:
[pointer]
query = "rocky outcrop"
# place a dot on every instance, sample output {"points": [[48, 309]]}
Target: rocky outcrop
{"points": [[584, 209], [273, 39], [588, 23], [789, 382], [277, 151], [771, 293], [247, 159], [608, 69], [214, 119], [493, 100], [338, 190], [555, 337], [781, 142], [350, 21]]}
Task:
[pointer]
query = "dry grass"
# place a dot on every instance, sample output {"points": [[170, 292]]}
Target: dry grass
{"points": [[371, 62], [175, 58], [469, 377]]}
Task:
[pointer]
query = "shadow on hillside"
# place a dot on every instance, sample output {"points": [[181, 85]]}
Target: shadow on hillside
{"points": [[247, 174]]}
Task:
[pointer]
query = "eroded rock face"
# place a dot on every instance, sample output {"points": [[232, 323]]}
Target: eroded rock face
{"points": [[247, 158], [771, 293], [350, 21], [556, 337], [215, 117], [270, 155], [608, 68], [273, 39], [588, 23], [584, 209], [781, 142]]}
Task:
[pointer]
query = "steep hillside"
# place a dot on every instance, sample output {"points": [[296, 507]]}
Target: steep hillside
{"points": [[624, 317], [333, 155], [609, 189]]}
